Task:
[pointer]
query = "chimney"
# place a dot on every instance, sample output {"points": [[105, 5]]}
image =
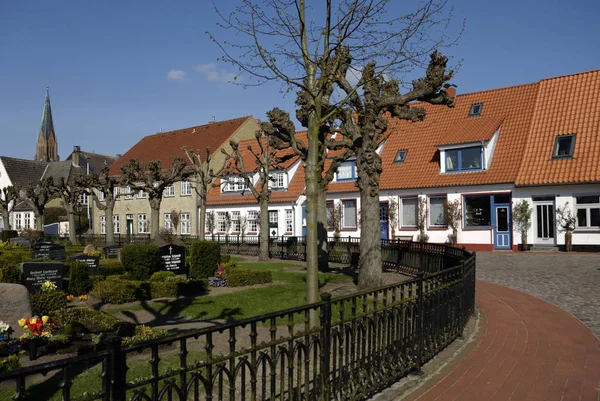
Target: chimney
{"points": [[75, 156], [451, 92], [212, 120]]}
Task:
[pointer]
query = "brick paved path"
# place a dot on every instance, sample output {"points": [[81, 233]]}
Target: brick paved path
{"points": [[526, 350], [569, 281]]}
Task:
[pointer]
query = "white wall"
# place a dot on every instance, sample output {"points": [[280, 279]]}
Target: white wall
{"points": [[279, 207]]}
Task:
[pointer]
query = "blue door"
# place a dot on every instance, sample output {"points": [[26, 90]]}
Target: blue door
{"points": [[502, 227], [383, 220], [304, 221]]}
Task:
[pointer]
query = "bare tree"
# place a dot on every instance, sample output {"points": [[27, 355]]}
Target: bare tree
{"points": [[243, 225], [278, 40], [153, 179], [264, 160], [422, 218], [175, 218], [70, 190], [8, 199], [211, 219], [105, 184], [204, 179], [337, 218], [36, 195]]}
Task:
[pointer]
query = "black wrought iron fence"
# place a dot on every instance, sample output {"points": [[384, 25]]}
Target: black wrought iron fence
{"points": [[337, 349]]}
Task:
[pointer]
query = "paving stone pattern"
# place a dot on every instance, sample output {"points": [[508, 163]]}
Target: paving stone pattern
{"points": [[570, 281]]}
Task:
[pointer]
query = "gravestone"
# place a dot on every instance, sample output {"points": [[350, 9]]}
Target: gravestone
{"points": [[34, 274], [20, 241], [111, 252], [172, 258], [14, 305], [92, 261], [48, 250]]}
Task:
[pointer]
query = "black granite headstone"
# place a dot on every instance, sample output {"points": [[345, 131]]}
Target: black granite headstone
{"points": [[92, 261], [34, 274], [172, 258], [48, 250], [111, 252]]}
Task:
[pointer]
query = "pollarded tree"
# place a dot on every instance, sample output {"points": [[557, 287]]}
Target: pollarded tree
{"points": [[204, 178], [102, 189], [300, 45], [364, 124], [263, 160], [153, 179], [70, 190], [37, 195], [8, 198]]}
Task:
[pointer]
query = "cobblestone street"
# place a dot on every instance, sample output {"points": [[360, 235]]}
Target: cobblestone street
{"points": [[569, 281]]}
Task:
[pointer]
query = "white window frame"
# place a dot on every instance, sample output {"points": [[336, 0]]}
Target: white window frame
{"points": [[169, 191], [116, 224], [344, 202], [141, 194], [185, 221], [142, 223], [277, 180], [186, 188], [116, 192], [351, 164], [235, 221], [18, 223], [587, 207], [84, 199], [27, 221], [220, 222], [101, 196], [102, 224], [430, 214], [416, 200], [128, 193], [252, 221], [289, 221], [168, 222]]}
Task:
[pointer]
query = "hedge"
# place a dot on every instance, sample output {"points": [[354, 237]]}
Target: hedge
{"points": [[118, 291], [45, 302], [6, 235], [162, 276], [79, 278], [242, 277], [140, 260], [205, 258], [110, 267], [92, 317], [10, 274], [9, 363]]}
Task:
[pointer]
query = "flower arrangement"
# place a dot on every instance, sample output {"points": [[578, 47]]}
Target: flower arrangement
{"points": [[48, 286], [36, 327], [83, 297], [93, 253], [70, 298], [5, 331], [220, 278]]}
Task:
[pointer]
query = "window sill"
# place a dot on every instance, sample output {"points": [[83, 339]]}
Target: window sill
{"points": [[185, 195], [587, 230], [437, 228], [349, 229], [408, 228], [475, 228]]}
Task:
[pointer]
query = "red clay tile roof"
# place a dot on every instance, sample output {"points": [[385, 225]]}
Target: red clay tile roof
{"points": [[511, 108], [166, 145], [565, 105]]}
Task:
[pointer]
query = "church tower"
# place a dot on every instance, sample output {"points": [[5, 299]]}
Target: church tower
{"points": [[47, 146]]}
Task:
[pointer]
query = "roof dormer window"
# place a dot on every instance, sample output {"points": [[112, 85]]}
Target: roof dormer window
{"points": [[564, 145], [400, 156], [475, 110]]}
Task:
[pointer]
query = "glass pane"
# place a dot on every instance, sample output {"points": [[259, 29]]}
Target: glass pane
{"points": [[471, 158], [349, 213], [539, 218], [409, 212], [595, 217], [478, 211], [563, 146], [436, 212], [581, 217], [545, 226], [383, 212], [329, 214], [502, 198], [344, 171], [582, 200], [550, 221], [502, 216], [451, 160]]}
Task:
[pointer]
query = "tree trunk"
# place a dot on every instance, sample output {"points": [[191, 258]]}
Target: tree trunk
{"points": [[72, 227], [263, 252], [313, 174], [369, 170], [524, 246], [6, 219], [322, 232], [202, 220], [154, 219], [568, 241], [110, 228], [39, 220]]}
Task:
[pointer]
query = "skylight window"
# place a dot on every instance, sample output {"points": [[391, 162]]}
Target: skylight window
{"points": [[475, 109], [564, 146], [400, 156]]}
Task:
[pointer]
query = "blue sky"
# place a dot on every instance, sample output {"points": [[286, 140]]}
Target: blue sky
{"points": [[120, 70]]}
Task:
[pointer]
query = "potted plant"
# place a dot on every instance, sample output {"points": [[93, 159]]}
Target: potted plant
{"points": [[392, 214], [522, 221], [566, 221], [35, 329], [337, 217], [453, 213], [5, 331]]}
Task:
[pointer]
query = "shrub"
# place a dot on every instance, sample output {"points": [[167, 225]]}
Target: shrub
{"points": [[10, 274], [242, 277], [6, 235], [45, 302], [73, 250], [162, 276], [13, 256], [89, 317], [59, 340], [144, 333], [140, 260], [110, 267], [205, 257], [10, 362], [75, 328], [116, 291], [225, 258], [79, 279]]}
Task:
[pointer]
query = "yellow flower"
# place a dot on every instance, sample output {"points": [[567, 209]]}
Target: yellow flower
{"points": [[21, 322], [33, 320], [45, 319]]}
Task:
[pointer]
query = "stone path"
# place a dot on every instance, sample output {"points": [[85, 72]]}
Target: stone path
{"points": [[525, 350], [569, 281]]}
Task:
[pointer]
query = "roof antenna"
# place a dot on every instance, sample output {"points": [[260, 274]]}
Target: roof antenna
{"points": [[213, 119]]}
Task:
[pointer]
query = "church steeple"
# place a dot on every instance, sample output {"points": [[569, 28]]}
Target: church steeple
{"points": [[47, 145]]}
